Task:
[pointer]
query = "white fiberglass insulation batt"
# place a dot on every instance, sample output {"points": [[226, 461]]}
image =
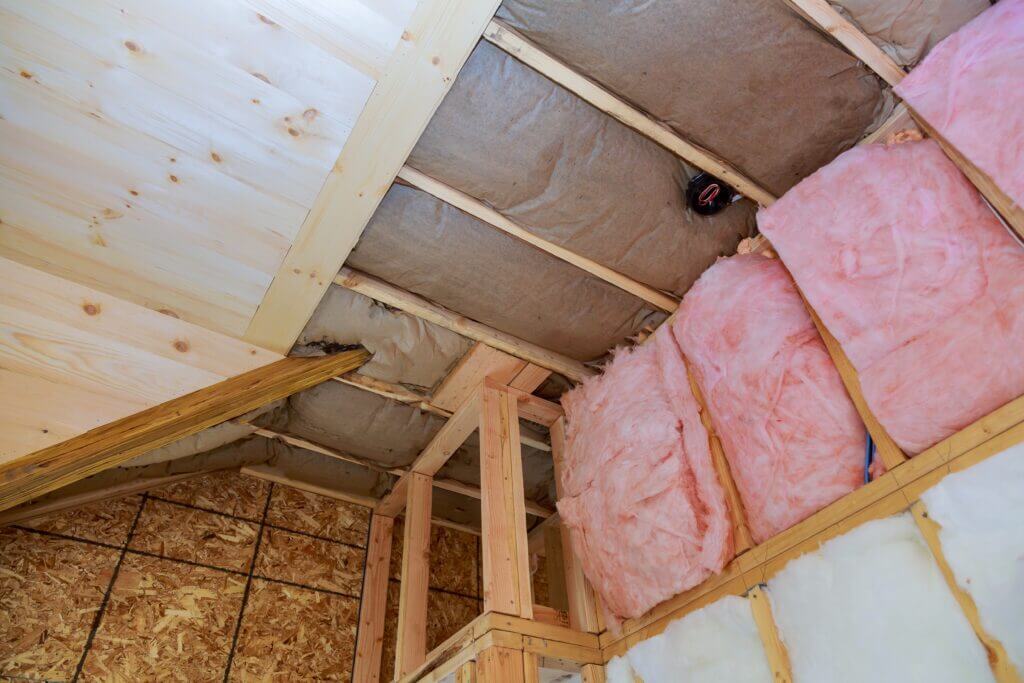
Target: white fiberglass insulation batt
{"points": [[916, 278], [981, 511], [872, 605], [716, 643], [639, 489], [971, 90]]}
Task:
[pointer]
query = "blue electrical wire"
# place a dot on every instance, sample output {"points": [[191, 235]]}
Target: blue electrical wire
{"points": [[869, 449]]}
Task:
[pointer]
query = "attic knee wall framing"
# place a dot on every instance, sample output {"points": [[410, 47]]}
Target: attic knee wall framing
{"points": [[508, 601]]}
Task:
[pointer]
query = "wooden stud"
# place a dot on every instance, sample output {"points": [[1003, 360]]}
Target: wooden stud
{"points": [[466, 673], [506, 562], [121, 440], [531, 667], [583, 613], [432, 50], [373, 603], [592, 673], [742, 539], [413, 304], [1002, 667], [525, 51], [823, 16], [888, 451], [554, 563], [530, 378], [474, 207], [774, 648], [889, 494], [411, 649], [500, 665], [899, 120]]}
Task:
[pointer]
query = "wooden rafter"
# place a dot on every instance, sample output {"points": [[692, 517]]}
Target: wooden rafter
{"points": [[433, 48], [413, 304], [525, 51], [478, 209], [121, 440], [442, 483]]}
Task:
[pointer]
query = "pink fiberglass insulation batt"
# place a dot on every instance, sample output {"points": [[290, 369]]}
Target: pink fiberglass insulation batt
{"points": [[792, 436], [917, 280], [640, 493], [971, 89]]}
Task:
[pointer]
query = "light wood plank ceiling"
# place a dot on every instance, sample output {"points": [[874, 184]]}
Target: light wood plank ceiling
{"points": [[167, 152]]}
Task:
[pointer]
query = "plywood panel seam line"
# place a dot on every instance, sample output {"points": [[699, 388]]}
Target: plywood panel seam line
{"points": [[533, 56], [106, 595]]}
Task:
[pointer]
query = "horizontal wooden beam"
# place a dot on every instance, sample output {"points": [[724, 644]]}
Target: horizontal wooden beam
{"points": [[121, 440], [436, 43], [824, 17], [525, 51], [386, 293], [478, 209], [442, 483], [890, 493]]}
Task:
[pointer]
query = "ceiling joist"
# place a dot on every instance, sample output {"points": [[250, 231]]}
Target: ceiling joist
{"points": [[525, 51], [413, 304], [478, 209], [433, 48]]}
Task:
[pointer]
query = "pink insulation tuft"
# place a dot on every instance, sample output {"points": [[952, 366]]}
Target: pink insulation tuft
{"points": [[640, 493], [792, 437], [971, 90], [916, 278]]}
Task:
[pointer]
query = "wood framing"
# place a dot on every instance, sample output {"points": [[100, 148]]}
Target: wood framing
{"points": [[583, 615], [421, 308], [116, 442], [506, 564], [412, 605], [501, 665], [774, 648], [896, 491], [373, 602], [1002, 667], [822, 15], [525, 51], [478, 209], [433, 48]]}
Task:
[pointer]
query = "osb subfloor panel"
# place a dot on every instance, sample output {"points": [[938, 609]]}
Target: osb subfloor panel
{"points": [[455, 594], [218, 577]]}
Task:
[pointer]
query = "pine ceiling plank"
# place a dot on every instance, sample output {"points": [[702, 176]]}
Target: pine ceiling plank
{"points": [[75, 358], [107, 446], [433, 48]]}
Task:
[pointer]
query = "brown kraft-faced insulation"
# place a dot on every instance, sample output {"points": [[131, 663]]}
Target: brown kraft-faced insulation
{"points": [[406, 350], [569, 173], [907, 30], [432, 249], [748, 79]]}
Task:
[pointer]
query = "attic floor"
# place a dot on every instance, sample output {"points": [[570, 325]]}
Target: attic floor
{"points": [[222, 577]]}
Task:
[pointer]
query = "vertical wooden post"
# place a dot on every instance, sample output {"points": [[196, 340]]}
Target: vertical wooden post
{"points": [[502, 502], [583, 614], [500, 665], [998, 659], [774, 649], [555, 566], [531, 668], [411, 649], [373, 604], [592, 673], [466, 673]]}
